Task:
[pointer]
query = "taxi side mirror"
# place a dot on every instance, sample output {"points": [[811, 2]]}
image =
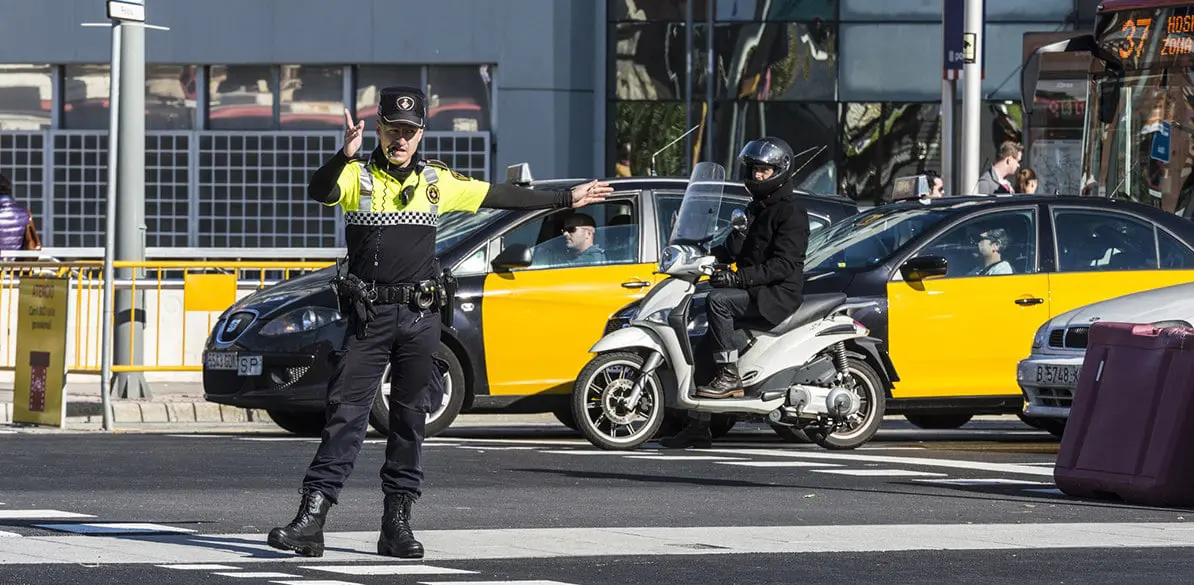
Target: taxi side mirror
{"points": [[924, 268], [514, 256]]}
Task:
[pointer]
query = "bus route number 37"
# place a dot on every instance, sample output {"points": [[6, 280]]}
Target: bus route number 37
{"points": [[245, 365]]}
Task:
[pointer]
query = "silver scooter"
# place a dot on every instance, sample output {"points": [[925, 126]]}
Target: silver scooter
{"points": [[817, 371]]}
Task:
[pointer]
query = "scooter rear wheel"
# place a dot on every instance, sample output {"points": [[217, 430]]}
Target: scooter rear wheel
{"points": [[874, 403], [599, 406]]}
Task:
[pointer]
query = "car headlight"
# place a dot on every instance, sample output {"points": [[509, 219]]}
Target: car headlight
{"points": [[1038, 339], [300, 320]]}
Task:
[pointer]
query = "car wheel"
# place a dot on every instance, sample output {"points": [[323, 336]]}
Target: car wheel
{"points": [[438, 421], [938, 421], [305, 423], [565, 416]]}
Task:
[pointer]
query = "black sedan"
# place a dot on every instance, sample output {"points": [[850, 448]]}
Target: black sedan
{"points": [[270, 350]]}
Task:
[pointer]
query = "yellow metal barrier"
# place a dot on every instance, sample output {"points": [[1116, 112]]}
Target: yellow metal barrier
{"points": [[178, 296]]}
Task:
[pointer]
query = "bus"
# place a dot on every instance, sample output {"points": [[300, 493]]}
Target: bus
{"points": [[1139, 116]]}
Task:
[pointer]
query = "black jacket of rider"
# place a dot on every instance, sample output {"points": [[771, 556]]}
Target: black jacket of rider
{"points": [[770, 255]]}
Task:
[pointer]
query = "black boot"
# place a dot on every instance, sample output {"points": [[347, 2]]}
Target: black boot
{"points": [[694, 434], [397, 539], [727, 384], [304, 534]]}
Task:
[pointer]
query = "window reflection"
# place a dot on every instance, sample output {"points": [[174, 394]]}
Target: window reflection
{"points": [[311, 98], [810, 129], [170, 94], [458, 98], [641, 128], [241, 97], [371, 79], [26, 96], [777, 61], [724, 10], [651, 63], [883, 141], [85, 97]]}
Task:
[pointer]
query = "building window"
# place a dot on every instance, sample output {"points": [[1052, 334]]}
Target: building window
{"points": [[724, 10], [170, 94], [650, 61], [882, 141], [776, 61], [85, 94], [641, 128], [241, 97], [311, 98], [371, 79], [26, 97], [459, 98]]}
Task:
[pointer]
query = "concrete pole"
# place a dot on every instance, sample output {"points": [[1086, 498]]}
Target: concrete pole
{"points": [[130, 218], [710, 80], [972, 99], [690, 84]]}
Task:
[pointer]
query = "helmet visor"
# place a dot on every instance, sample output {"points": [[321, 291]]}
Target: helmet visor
{"points": [[764, 152]]}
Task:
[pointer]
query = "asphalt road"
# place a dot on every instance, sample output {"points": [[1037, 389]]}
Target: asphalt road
{"points": [[539, 505]]}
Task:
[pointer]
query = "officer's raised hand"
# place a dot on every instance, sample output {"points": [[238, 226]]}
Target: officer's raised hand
{"points": [[589, 193], [353, 134]]}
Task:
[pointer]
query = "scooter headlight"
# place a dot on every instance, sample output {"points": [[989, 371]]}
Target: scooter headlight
{"points": [[668, 257]]}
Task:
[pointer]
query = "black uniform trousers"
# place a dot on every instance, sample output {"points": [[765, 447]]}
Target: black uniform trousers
{"points": [[407, 338], [722, 307]]}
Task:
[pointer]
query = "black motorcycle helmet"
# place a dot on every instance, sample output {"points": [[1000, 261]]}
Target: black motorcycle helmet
{"points": [[769, 151]]}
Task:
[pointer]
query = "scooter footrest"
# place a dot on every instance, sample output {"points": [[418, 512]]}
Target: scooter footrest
{"points": [[773, 395]]}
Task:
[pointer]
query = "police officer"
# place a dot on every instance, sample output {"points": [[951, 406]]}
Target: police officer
{"points": [[769, 281], [392, 200]]}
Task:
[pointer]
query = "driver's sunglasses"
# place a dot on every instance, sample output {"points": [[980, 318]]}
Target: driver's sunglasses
{"points": [[569, 230]]}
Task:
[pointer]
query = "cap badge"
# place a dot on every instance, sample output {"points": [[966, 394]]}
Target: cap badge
{"points": [[406, 103]]}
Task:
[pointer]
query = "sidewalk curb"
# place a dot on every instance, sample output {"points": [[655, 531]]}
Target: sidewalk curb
{"points": [[128, 411]]}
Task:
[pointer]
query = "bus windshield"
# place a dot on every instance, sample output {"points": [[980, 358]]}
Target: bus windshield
{"points": [[1140, 121]]}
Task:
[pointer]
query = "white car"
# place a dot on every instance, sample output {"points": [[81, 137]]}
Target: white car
{"points": [[1049, 374]]}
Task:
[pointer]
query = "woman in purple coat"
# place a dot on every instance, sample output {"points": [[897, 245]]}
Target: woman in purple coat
{"points": [[14, 218]]}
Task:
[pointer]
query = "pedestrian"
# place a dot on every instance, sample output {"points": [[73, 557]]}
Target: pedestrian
{"points": [[17, 231], [392, 200], [994, 180], [1026, 181]]}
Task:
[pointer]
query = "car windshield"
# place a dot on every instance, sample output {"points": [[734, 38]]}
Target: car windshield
{"points": [[868, 239], [455, 226]]}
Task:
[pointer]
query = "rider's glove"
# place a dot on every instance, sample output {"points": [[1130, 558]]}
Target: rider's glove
{"points": [[726, 278]]}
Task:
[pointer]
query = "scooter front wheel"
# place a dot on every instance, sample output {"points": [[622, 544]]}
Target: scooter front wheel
{"points": [[600, 402]]}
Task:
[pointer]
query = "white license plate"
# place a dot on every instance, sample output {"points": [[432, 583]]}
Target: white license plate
{"points": [[219, 360], [248, 365], [1064, 376]]}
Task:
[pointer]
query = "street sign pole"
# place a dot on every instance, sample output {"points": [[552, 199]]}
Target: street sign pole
{"points": [[972, 88], [952, 21], [109, 240]]}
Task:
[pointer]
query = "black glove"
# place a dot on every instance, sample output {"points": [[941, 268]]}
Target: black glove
{"points": [[726, 278]]}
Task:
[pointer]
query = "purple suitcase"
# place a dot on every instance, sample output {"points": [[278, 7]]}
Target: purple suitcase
{"points": [[1130, 433]]}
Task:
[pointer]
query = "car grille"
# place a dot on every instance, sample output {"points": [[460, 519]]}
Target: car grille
{"points": [[1072, 338], [236, 324], [1060, 397]]}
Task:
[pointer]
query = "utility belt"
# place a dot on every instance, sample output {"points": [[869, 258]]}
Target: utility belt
{"points": [[424, 295]]}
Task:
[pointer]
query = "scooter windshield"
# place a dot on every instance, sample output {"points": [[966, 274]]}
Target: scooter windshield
{"points": [[696, 221]]}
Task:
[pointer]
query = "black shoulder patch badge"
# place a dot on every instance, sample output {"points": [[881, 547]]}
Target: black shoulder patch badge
{"points": [[460, 177], [433, 194]]}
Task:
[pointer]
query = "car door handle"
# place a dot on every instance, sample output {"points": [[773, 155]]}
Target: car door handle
{"points": [[1032, 301], [635, 284]]}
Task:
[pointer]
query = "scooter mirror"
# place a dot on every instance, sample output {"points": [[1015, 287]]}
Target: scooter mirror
{"points": [[738, 218]]}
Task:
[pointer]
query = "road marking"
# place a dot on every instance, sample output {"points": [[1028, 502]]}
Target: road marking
{"points": [[879, 472], [259, 575], [684, 457], [389, 570], [923, 461], [306, 582], [113, 528], [4, 534], [1053, 491], [779, 464], [39, 514], [532, 582], [200, 567], [584, 452], [992, 481], [498, 447], [537, 543]]}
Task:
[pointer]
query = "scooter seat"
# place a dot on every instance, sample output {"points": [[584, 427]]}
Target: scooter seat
{"points": [[811, 308]]}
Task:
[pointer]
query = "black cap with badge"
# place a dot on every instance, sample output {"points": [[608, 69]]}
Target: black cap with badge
{"points": [[402, 104]]}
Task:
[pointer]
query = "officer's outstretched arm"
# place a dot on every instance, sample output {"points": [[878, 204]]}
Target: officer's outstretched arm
{"points": [[324, 186], [507, 196]]}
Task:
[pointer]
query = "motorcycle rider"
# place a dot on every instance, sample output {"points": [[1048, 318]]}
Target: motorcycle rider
{"points": [[768, 283]]}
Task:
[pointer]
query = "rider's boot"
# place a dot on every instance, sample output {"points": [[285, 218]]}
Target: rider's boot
{"points": [[304, 534], [727, 384], [694, 434], [397, 539]]}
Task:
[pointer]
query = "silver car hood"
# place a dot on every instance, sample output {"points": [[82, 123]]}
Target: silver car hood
{"points": [[1160, 304]]}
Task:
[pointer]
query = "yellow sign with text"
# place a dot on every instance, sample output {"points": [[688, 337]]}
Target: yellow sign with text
{"points": [[39, 382]]}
